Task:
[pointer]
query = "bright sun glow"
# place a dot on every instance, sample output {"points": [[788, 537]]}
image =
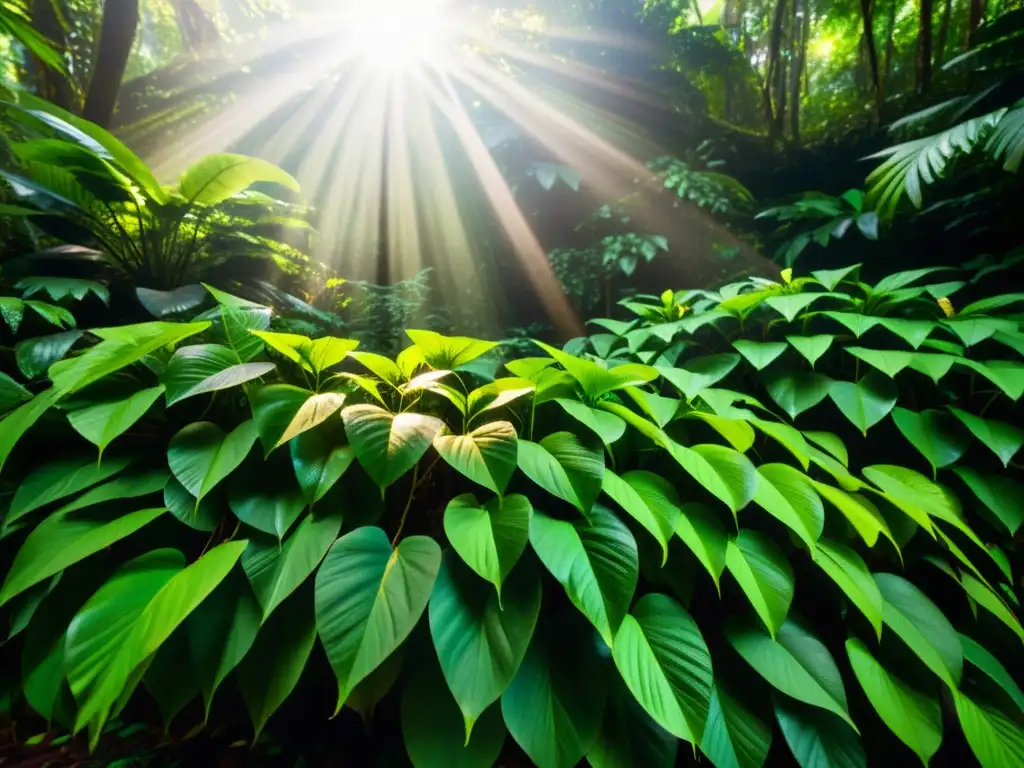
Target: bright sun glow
{"points": [[394, 35]]}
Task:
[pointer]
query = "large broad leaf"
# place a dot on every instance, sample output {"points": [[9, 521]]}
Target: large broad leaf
{"points": [[203, 368], [596, 380], [272, 667], [764, 574], [201, 455], [867, 402], [595, 560], [220, 633], [629, 737], [554, 704], [817, 738], [914, 717], [788, 495], [487, 455], [913, 332], [858, 325], [489, 537], [101, 424], [63, 540], [888, 361], [205, 515], [981, 594], [846, 568], [12, 393], [1003, 439], [700, 373], [564, 466], [665, 662], [606, 426], [858, 510], [935, 434], [788, 437], [52, 482], [276, 569], [369, 596], [35, 356], [101, 662], [319, 461], [727, 473], [759, 354], [1008, 375], [911, 615], [215, 178], [812, 347], [387, 446], [796, 392], [315, 411], [1002, 495], [642, 495], [796, 663], [432, 727], [919, 497], [734, 737], [449, 352], [266, 496], [996, 739], [995, 671], [130, 485], [120, 347], [21, 419], [273, 409], [479, 641]]}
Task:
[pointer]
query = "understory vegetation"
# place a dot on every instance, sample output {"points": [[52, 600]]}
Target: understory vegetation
{"points": [[701, 448]]}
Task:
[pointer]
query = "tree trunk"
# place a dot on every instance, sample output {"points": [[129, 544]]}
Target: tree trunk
{"points": [[117, 35], [868, 36], [50, 84], [940, 44], [924, 48], [976, 14], [771, 75], [890, 45], [800, 26]]}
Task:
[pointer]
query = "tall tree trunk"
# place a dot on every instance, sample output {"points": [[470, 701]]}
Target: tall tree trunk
{"points": [[800, 26], [890, 45], [771, 74], [117, 34], [50, 84], [976, 14], [924, 47], [868, 37], [940, 44]]}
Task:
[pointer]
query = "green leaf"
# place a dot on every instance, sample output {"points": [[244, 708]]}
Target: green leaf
{"points": [[911, 615], [203, 368], [112, 668], [734, 737], [479, 641], [315, 411], [432, 726], [797, 392], [216, 178], [369, 596], [595, 561], [203, 515], [830, 278], [788, 495], [220, 633], [319, 462], [991, 666], [276, 569], [51, 482], [665, 662], [596, 380], [831, 443], [449, 352], [490, 537], [991, 602], [727, 473], [368, 694], [101, 424], [272, 667], [933, 433], [487, 455], [919, 497], [995, 739], [888, 361], [788, 437], [629, 737], [169, 677], [846, 568], [638, 493], [865, 403], [932, 365], [35, 356], [387, 446], [130, 485], [200, 455], [1003, 439], [975, 330], [120, 347], [857, 324], [553, 706], [12, 393], [764, 574], [273, 409], [564, 466], [759, 354], [63, 540], [606, 426], [796, 663], [737, 431], [380, 366], [915, 718], [700, 373], [1003, 496], [812, 347], [817, 738], [914, 332], [858, 510]]}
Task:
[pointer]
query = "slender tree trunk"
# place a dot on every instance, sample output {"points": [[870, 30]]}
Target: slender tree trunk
{"points": [[940, 44], [50, 84], [117, 34], [924, 47], [976, 15], [890, 45], [771, 75], [868, 36], [797, 72]]}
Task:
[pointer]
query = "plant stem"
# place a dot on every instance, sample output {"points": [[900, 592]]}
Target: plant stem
{"points": [[408, 504]]}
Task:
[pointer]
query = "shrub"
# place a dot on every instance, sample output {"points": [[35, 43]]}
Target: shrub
{"points": [[597, 554]]}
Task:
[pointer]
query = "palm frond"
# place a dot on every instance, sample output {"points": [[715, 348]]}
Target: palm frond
{"points": [[1007, 140]]}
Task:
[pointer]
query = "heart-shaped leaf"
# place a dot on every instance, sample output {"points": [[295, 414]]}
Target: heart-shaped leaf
{"points": [[316, 410], [319, 461], [387, 446], [564, 466], [935, 434], [867, 402], [203, 368], [487, 455], [1003, 439], [759, 354], [489, 537], [101, 424], [200, 455], [700, 373], [812, 347], [797, 392]]}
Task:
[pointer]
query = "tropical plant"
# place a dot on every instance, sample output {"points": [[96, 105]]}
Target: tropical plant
{"points": [[589, 554]]}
